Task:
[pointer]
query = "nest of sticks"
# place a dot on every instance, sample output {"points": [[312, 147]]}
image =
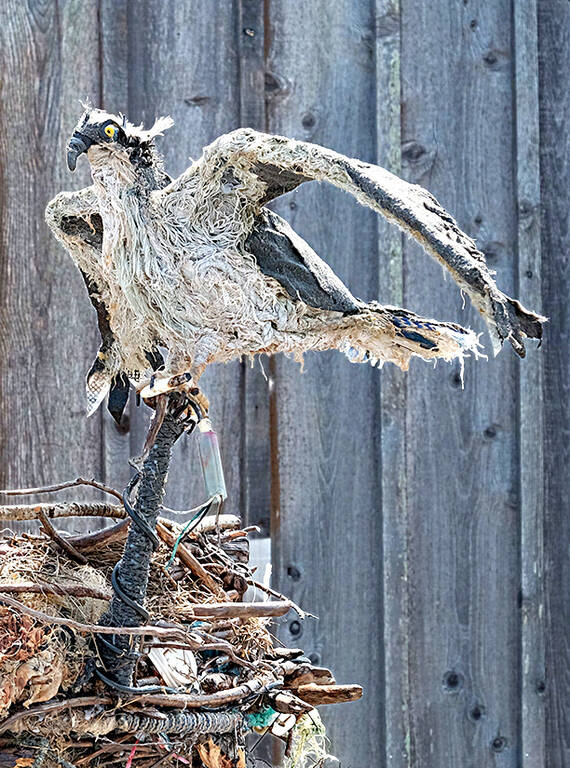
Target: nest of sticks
{"points": [[206, 644]]}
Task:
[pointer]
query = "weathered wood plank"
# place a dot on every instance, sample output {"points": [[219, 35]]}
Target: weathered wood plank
{"points": [[461, 445], [250, 34], [49, 59], [114, 86], [395, 555], [326, 524], [554, 64], [531, 421], [256, 453], [183, 61]]}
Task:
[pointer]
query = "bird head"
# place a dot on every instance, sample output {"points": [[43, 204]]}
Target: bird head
{"points": [[107, 136]]}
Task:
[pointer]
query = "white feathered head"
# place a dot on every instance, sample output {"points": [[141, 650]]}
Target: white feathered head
{"points": [[105, 130]]}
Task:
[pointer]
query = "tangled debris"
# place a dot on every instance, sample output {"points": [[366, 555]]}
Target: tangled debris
{"points": [[207, 655]]}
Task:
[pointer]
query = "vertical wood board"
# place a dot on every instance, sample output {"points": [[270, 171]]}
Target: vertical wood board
{"points": [[527, 164], [396, 615], [554, 64], [462, 444], [49, 59], [256, 466], [326, 525]]}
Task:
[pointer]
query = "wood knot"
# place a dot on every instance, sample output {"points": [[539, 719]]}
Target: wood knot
{"points": [[498, 744], [452, 681], [477, 713]]}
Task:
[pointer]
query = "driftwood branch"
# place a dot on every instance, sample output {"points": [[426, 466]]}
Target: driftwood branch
{"points": [[19, 512], [51, 707], [61, 487], [60, 540], [102, 538], [317, 695], [188, 559], [237, 610], [255, 686], [273, 592], [170, 632]]}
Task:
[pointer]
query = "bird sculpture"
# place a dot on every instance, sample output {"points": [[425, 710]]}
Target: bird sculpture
{"points": [[196, 270]]}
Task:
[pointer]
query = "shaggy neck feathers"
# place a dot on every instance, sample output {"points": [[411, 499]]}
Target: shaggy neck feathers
{"points": [[137, 168]]}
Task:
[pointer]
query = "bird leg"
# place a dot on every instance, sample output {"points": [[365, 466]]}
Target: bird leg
{"points": [[182, 382], [193, 408], [155, 424]]}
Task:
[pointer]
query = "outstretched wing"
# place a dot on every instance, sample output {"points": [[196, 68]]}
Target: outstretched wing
{"points": [[269, 166]]}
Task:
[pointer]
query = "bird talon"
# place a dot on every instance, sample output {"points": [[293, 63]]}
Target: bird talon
{"points": [[158, 385]]}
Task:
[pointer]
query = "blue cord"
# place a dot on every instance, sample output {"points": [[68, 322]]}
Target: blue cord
{"points": [[188, 528]]}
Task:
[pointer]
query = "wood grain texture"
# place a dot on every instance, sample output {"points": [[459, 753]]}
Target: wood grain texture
{"points": [[114, 89], [183, 61], [461, 444], [326, 522], [531, 386], [424, 524], [49, 58], [554, 64], [395, 557], [256, 466]]}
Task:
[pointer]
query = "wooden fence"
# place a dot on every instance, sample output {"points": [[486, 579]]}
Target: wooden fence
{"points": [[422, 521]]}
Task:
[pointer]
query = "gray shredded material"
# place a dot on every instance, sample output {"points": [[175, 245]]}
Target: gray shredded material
{"points": [[181, 723], [133, 569]]}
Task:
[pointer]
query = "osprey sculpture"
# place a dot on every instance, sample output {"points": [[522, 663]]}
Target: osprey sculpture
{"points": [[198, 267]]}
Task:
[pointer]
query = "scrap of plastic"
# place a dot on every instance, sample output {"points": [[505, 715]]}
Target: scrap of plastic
{"points": [[211, 460]]}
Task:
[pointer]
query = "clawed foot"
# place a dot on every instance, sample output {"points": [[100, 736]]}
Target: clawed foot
{"points": [[190, 407], [183, 382]]}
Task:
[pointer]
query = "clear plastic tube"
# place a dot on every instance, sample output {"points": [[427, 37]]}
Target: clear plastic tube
{"points": [[211, 460]]}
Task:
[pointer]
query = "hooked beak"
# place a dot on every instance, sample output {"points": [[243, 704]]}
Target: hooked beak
{"points": [[77, 146]]}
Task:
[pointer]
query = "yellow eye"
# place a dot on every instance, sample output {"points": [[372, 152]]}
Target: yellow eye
{"points": [[110, 131]]}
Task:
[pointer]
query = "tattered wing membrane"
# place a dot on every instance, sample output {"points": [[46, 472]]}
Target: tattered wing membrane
{"points": [[282, 164], [283, 255]]}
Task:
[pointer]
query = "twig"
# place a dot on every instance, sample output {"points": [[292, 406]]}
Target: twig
{"points": [[102, 538], [54, 706], [236, 610], [210, 523], [166, 632], [64, 509], [239, 534], [60, 541], [316, 695], [302, 614], [188, 559], [63, 486], [162, 760], [75, 590], [117, 746], [255, 686]]}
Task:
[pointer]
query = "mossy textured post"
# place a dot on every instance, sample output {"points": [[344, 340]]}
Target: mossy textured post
{"points": [[133, 568]]}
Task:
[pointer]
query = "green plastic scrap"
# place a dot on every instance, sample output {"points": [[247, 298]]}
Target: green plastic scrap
{"points": [[261, 719]]}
